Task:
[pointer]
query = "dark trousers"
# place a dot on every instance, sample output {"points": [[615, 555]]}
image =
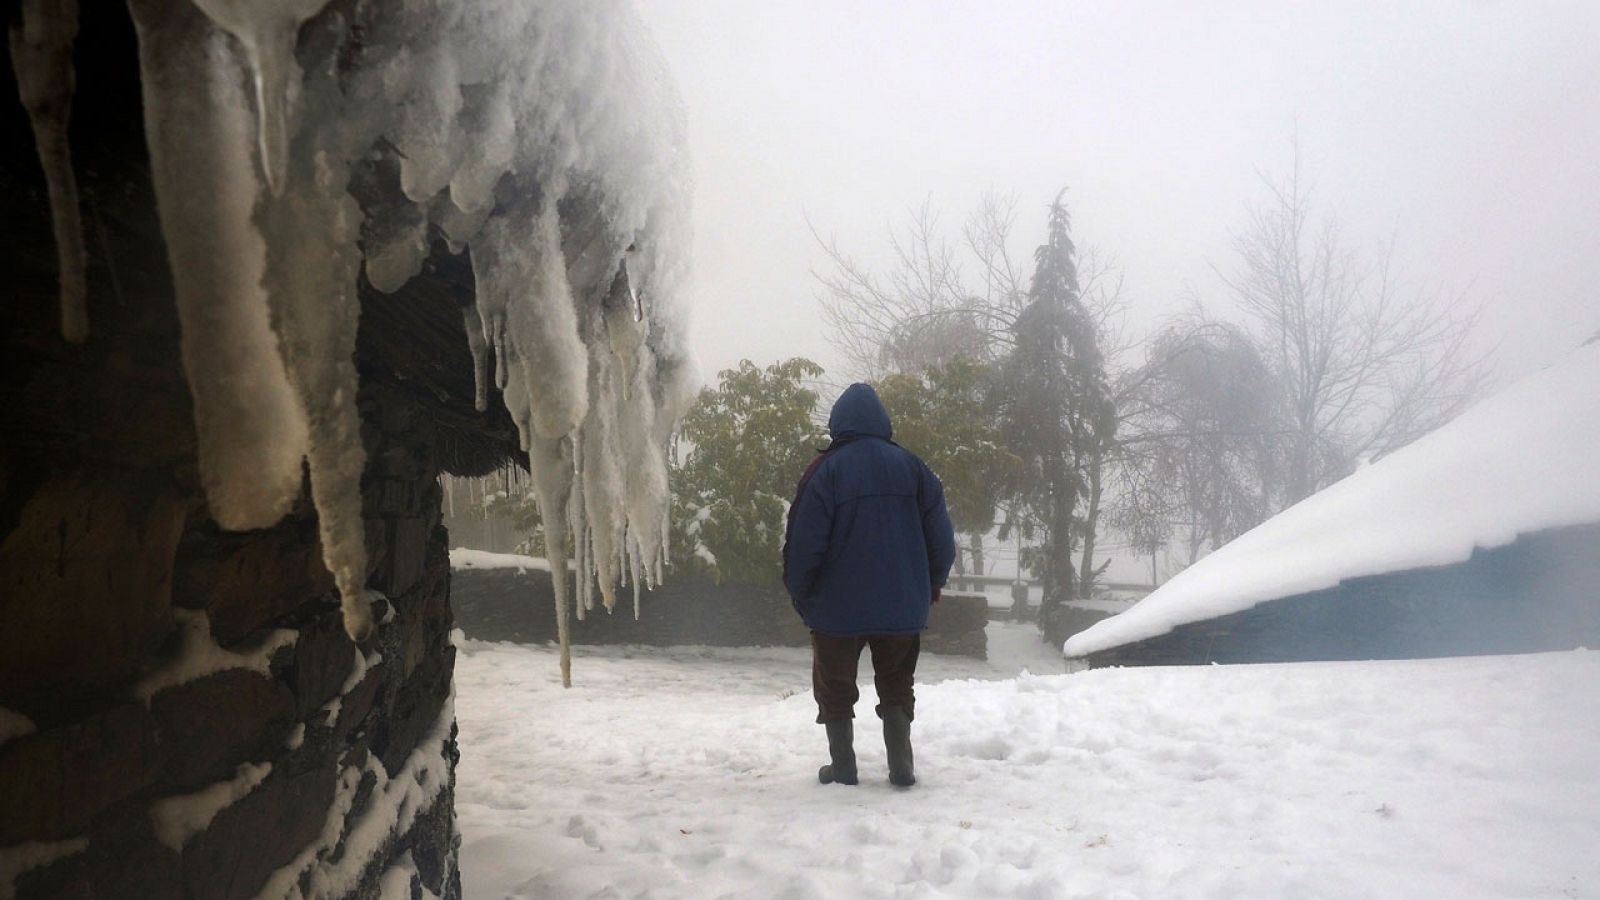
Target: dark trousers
{"points": [[833, 672]]}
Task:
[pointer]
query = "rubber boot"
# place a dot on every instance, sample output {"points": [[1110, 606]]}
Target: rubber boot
{"points": [[841, 737], [897, 741]]}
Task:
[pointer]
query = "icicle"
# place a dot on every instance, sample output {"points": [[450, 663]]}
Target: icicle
{"points": [[644, 465], [502, 367], [41, 57], [262, 238], [647, 565], [604, 501], [588, 568], [458, 225], [313, 226], [666, 542], [397, 256], [580, 530], [487, 113], [637, 573], [580, 571], [552, 480], [267, 29], [624, 331], [426, 132], [480, 358], [541, 321], [251, 428]]}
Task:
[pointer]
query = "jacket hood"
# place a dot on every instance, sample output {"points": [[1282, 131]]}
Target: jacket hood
{"points": [[859, 413]]}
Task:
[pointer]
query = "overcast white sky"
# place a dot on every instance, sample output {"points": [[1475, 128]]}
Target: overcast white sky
{"points": [[1469, 132]]}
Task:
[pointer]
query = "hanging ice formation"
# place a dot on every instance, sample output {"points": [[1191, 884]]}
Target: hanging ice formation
{"points": [[541, 137], [41, 58]]}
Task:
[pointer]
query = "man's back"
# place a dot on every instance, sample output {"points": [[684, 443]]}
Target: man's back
{"points": [[869, 537]]}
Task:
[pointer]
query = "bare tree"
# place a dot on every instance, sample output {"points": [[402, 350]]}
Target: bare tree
{"points": [[1365, 368], [907, 320], [936, 301], [1201, 448]]}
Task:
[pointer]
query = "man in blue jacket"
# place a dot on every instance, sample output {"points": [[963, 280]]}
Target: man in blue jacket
{"points": [[869, 544]]}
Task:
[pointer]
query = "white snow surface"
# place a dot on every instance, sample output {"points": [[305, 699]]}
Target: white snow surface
{"points": [[19, 858], [399, 878], [691, 772], [177, 819], [200, 655], [1521, 461], [14, 725], [464, 558], [358, 671], [332, 867]]}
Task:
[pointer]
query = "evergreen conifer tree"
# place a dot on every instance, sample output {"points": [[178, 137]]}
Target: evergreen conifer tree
{"points": [[1055, 407]]}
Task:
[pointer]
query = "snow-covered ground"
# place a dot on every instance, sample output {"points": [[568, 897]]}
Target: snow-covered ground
{"points": [[690, 772], [466, 558]]}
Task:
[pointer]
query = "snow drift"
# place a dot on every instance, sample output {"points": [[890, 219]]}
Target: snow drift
{"points": [[1522, 461], [296, 144]]}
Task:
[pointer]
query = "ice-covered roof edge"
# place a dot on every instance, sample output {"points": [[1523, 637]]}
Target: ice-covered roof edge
{"points": [[543, 138]]}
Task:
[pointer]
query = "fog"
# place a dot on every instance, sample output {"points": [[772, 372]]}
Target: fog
{"points": [[1465, 133]]}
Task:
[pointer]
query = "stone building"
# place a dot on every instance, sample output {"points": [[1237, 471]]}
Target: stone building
{"points": [[182, 711]]}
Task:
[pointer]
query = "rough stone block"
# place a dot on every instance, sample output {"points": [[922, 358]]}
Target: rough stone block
{"points": [[87, 588], [323, 657], [56, 782], [431, 846], [219, 721], [359, 701], [413, 713], [148, 423], [397, 497], [408, 553], [262, 832], [125, 855], [246, 580], [423, 615], [376, 529]]}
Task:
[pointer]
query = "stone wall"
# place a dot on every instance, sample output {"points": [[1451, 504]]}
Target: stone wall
{"points": [[158, 658], [181, 713], [519, 606]]}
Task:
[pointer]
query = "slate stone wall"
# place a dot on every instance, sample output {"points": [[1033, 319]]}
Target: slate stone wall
{"points": [[508, 605], [109, 563], [106, 564]]}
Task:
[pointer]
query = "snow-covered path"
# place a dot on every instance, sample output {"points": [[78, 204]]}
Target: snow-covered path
{"points": [[691, 773]]}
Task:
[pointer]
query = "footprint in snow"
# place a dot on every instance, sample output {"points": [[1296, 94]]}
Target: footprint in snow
{"points": [[577, 827]]}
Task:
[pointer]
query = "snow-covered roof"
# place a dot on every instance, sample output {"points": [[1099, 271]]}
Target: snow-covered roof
{"points": [[1524, 460]]}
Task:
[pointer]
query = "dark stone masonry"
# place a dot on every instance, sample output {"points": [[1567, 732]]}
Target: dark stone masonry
{"points": [[519, 606], [104, 556], [119, 776]]}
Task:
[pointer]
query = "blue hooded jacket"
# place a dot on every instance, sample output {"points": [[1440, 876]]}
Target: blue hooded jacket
{"points": [[869, 537]]}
